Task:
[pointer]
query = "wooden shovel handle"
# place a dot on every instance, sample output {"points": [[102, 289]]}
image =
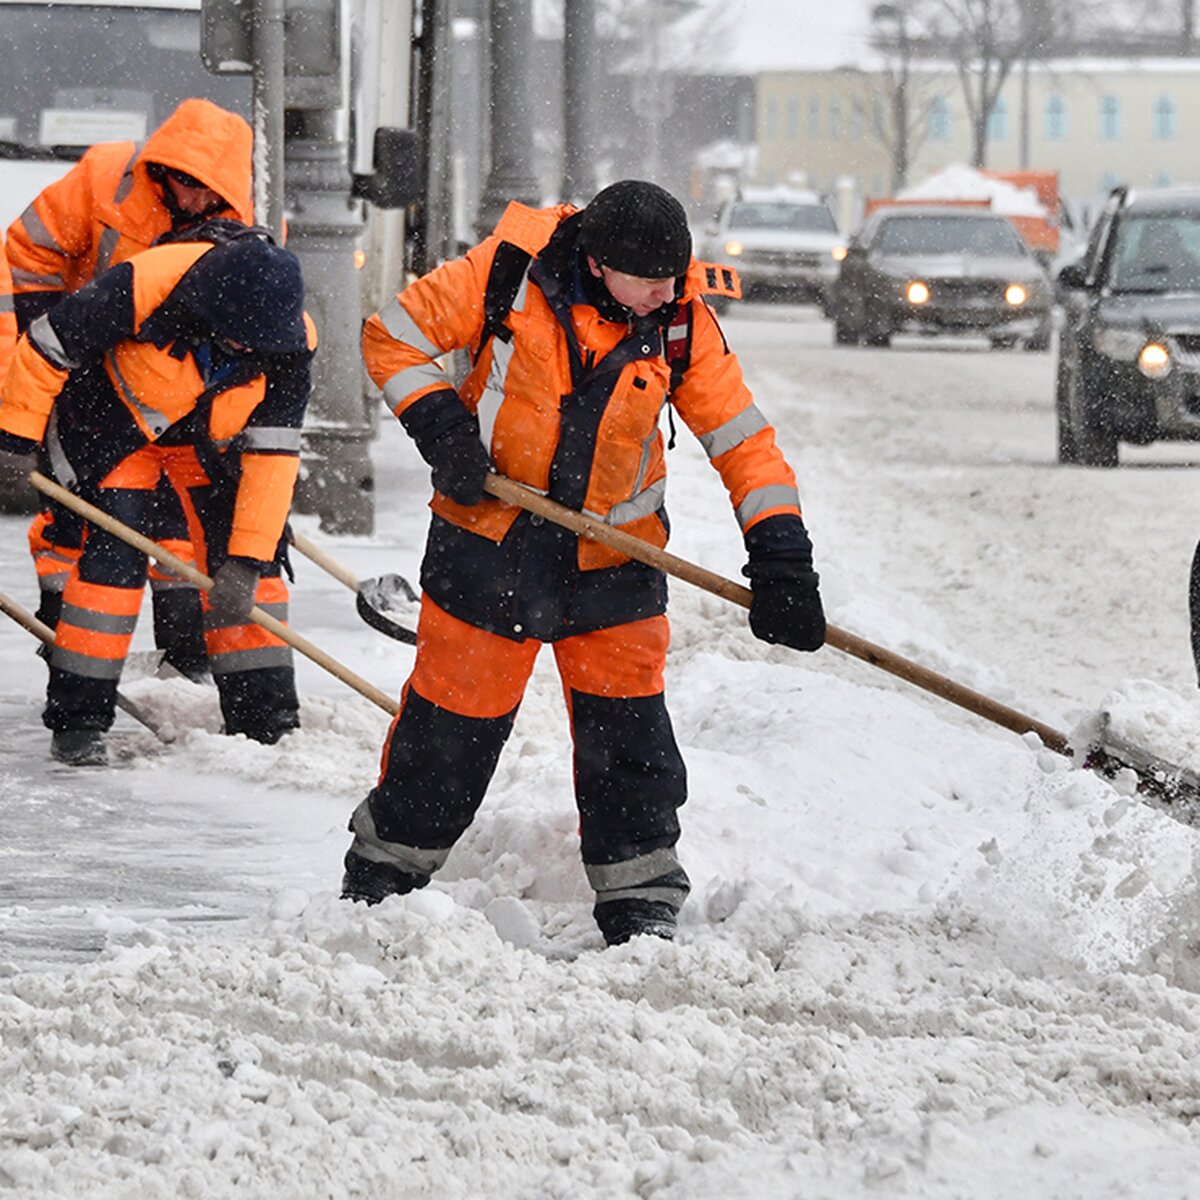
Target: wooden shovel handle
{"points": [[326, 562], [184, 570], [44, 633], [718, 585]]}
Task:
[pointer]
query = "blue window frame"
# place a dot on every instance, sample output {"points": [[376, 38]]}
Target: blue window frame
{"points": [[814, 118], [939, 120], [1056, 119], [1164, 119], [1110, 119], [835, 119], [997, 124]]}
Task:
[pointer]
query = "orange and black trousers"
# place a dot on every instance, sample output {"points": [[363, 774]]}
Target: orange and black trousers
{"points": [[102, 596], [457, 711], [56, 537]]}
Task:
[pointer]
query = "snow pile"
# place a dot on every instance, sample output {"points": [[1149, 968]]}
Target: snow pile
{"points": [[960, 182]]}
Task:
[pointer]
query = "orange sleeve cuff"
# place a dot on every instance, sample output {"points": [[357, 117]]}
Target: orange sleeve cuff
{"points": [[263, 498], [30, 389]]}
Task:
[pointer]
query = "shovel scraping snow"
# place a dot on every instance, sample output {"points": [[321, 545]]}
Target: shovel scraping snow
{"points": [[1171, 787]]}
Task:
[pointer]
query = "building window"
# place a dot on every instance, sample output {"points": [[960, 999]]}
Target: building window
{"points": [[856, 118], [1164, 119], [1056, 119], [835, 119], [793, 117], [772, 117], [1110, 119], [814, 118], [997, 123], [939, 120], [1162, 179], [1108, 181]]}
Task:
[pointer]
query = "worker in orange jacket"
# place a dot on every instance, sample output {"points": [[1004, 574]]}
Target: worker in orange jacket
{"points": [[118, 200], [190, 360], [573, 364]]}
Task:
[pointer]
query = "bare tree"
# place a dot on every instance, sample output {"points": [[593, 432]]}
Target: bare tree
{"points": [[985, 40], [899, 109]]}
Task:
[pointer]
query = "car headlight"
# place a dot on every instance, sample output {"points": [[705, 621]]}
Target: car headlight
{"points": [[838, 252], [734, 248], [1121, 344], [1015, 294], [916, 292], [1154, 360]]}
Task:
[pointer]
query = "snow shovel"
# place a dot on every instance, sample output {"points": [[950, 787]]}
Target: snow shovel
{"points": [[1164, 782], [39, 629], [381, 601], [184, 570]]}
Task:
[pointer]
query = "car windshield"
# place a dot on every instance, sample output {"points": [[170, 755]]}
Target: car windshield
{"points": [[1157, 252], [973, 236], [794, 217], [74, 74]]}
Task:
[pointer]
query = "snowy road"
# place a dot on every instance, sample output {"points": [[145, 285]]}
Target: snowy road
{"points": [[920, 958]]}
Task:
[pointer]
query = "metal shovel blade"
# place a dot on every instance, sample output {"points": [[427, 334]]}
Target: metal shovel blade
{"points": [[1167, 785], [389, 605]]}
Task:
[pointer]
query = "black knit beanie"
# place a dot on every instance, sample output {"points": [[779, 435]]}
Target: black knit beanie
{"points": [[250, 292], [638, 228]]}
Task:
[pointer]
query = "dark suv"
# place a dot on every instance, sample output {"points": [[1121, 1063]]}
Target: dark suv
{"points": [[1129, 349]]}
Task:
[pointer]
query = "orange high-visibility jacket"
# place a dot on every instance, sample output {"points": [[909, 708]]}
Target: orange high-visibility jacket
{"points": [[518, 385], [148, 387], [107, 208]]}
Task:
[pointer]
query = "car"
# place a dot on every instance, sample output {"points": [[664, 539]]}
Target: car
{"points": [[941, 269], [1129, 349], [783, 241]]}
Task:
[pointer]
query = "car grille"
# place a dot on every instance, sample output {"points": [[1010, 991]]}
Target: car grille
{"points": [[782, 258], [965, 291]]}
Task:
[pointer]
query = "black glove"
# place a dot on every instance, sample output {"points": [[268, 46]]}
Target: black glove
{"points": [[786, 606], [788, 611], [232, 593], [447, 435], [460, 463], [16, 492]]}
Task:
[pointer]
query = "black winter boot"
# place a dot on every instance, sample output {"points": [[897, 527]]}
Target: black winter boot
{"points": [[372, 882], [620, 920], [79, 748]]}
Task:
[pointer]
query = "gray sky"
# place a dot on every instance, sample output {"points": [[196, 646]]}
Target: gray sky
{"points": [[790, 34]]}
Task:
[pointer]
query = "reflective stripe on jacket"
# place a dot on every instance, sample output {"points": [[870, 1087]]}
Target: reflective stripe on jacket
{"points": [[520, 387]]}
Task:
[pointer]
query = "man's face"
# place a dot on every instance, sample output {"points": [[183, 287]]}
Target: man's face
{"points": [[643, 296], [191, 196]]}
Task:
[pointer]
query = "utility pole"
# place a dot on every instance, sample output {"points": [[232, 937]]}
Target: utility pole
{"points": [[579, 100], [511, 175]]}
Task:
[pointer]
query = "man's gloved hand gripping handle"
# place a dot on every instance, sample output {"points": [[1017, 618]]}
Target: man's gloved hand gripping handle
{"points": [[785, 608], [447, 435]]}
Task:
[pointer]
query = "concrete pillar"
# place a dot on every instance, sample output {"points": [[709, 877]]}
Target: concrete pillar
{"points": [[323, 225], [580, 54], [511, 175]]}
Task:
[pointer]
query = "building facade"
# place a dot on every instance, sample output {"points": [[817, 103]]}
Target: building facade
{"points": [[1097, 123]]}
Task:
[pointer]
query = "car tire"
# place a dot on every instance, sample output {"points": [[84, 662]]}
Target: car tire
{"points": [[1096, 445], [1068, 452], [1040, 342], [843, 334], [875, 331]]}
